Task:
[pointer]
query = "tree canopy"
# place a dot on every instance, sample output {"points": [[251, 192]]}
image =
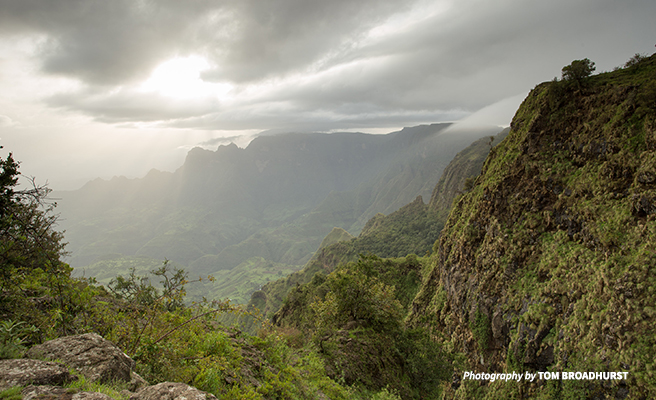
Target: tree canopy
{"points": [[578, 70], [30, 253]]}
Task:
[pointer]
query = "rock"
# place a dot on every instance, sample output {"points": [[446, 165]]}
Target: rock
{"points": [[172, 391], [23, 372], [59, 393], [46, 392], [99, 360], [91, 396], [136, 382]]}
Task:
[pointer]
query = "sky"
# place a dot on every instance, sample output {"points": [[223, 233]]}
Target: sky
{"points": [[97, 88]]}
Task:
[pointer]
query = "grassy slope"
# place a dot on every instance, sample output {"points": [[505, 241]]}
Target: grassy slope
{"points": [[548, 263]]}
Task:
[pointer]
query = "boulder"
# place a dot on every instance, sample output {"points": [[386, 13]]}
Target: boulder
{"points": [[46, 392], [99, 360], [23, 372], [59, 393], [90, 396], [172, 391]]}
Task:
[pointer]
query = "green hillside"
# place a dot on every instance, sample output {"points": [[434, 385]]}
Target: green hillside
{"points": [[537, 261], [547, 263], [412, 229]]}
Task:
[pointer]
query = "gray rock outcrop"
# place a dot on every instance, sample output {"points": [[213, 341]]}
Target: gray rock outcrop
{"points": [[59, 393], [50, 392], [99, 360], [172, 391], [24, 372]]}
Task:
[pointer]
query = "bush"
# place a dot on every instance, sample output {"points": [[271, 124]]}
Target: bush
{"points": [[577, 71]]}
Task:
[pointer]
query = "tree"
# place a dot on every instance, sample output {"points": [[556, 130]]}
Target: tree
{"points": [[635, 60], [577, 71], [35, 285]]}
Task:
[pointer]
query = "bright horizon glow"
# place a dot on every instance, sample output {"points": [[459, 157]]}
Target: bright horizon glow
{"points": [[179, 78]]}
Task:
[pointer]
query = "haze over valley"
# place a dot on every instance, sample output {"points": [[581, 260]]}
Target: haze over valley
{"points": [[271, 203]]}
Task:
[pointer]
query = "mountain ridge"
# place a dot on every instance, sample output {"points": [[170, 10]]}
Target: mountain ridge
{"points": [[547, 263], [277, 198]]}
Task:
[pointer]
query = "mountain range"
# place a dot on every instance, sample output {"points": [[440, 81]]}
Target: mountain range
{"points": [[264, 208]]}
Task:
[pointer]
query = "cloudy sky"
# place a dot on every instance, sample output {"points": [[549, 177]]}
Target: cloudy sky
{"points": [[101, 88]]}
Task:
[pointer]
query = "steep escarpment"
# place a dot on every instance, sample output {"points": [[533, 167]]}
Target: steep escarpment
{"points": [[549, 262], [459, 175], [412, 229]]}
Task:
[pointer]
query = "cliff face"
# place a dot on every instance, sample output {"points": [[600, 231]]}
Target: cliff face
{"points": [[464, 167], [412, 229], [549, 262]]}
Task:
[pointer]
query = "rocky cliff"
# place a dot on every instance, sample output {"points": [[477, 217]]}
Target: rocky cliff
{"points": [[412, 229], [548, 263]]}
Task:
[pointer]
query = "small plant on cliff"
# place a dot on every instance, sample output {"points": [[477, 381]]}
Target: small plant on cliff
{"points": [[481, 329], [635, 60]]}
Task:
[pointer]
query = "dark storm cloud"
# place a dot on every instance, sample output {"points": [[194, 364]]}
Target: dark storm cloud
{"points": [[105, 42], [321, 65], [109, 42], [281, 36], [481, 52]]}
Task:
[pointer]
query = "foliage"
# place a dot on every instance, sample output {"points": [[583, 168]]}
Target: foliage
{"points": [[355, 296], [35, 285], [481, 329], [410, 230], [170, 339], [635, 60], [12, 338], [355, 319], [577, 71], [138, 289], [80, 384], [551, 255], [13, 393]]}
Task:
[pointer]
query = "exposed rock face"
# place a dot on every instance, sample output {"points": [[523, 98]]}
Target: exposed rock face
{"points": [[90, 396], [465, 165], [23, 372], [99, 360], [136, 382], [548, 262], [46, 392], [59, 393], [172, 391]]}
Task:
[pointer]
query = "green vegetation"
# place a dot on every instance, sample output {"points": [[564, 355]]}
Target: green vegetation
{"points": [[412, 229], [545, 263], [30, 252], [578, 70], [81, 384], [12, 337], [224, 209], [11, 393], [169, 340], [550, 256], [355, 317]]}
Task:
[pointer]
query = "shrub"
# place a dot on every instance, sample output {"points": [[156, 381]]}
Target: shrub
{"points": [[577, 71]]}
